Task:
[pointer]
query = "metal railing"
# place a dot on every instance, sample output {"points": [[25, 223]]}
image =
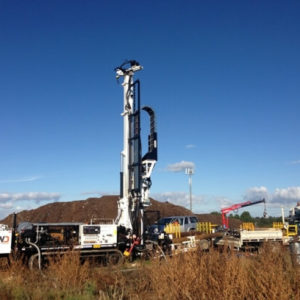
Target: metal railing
{"points": [[278, 225], [205, 227], [247, 226], [173, 228]]}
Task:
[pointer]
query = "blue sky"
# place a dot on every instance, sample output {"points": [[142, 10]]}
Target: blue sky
{"points": [[222, 76]]}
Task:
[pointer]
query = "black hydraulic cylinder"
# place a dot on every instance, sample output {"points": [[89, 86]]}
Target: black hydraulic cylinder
{"points": [[152, 137], [136, 138], [121, 185]]}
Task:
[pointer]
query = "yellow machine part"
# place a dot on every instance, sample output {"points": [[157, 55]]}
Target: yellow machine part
{"points": [[57, 235], [172, 228], [278, 225], [205, 227], [292, 230], [247, 226]]}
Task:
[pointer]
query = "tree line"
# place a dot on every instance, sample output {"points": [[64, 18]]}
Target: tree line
{"points": [[246, 217]]}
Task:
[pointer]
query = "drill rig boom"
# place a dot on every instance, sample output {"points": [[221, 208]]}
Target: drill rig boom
{"points": [[135, 175]]}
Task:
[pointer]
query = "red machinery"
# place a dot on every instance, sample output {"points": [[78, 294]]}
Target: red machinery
{"points": [[226, 210]]}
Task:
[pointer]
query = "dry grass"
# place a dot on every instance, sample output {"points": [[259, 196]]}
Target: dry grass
{"points": [[197, 275], [270, 275]]}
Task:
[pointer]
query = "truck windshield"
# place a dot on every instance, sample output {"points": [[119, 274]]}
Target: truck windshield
{"points": [[194, 220], [91, 229], [164, 221]]}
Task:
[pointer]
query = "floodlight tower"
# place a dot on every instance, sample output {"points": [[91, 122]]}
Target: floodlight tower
{"points": [[190, 172]]}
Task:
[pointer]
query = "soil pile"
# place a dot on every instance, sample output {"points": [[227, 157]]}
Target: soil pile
{"points": [[103, 208]]}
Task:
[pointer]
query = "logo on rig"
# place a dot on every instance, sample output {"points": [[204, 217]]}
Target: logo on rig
{"points": [[4, 239]]}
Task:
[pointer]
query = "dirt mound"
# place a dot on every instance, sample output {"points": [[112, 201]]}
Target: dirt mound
{"points": [[75, 211], [104, 207]]}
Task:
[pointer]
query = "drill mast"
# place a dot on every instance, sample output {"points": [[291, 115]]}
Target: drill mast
{"points": [[135, 181]]}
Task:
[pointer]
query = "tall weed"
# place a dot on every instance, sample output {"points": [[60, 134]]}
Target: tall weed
{"points": [[194, 275]]}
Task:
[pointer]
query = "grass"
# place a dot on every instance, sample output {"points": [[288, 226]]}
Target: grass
{"points": [[195, 275]]}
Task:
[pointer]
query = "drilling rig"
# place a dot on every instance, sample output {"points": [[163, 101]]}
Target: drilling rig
{"points": [[36, 242], [135, 175], [136, 169]]}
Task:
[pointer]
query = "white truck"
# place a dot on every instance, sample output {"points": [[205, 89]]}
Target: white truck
{"points": [[5, 240], [250, 239]]}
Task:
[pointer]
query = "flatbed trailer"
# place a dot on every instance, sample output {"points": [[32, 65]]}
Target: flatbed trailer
{"points": [[250, 239]]}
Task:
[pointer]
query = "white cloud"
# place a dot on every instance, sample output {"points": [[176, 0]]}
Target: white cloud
{"points": [[222, 201], [281, 196], [31, 196], [98, 193], [286, 197], [190, 146], [92, 193], [257, 193], [8, 201], [180, 166], [24, 179], [295, 162], [289, 195], [6, 205], [180, 198], [4, 212]]}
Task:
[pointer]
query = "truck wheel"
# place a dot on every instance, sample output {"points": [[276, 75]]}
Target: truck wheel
{"points": [[4, 262], [157, 252], [33, 262], [204, 245], [115, 258]]}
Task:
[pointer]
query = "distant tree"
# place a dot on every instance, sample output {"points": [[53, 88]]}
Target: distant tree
{"points": [[266, 222], [246, 217], [215, 213], [236, 216]]}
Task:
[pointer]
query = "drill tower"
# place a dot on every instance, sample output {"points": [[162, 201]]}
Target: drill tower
{"points": [[135, 175]]}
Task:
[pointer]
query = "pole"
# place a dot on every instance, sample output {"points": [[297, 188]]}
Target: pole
{"points": [[191, 200], [190, 172]]}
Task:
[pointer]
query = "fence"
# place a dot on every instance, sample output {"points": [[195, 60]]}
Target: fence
{"points": [[172, 228], [278, 225], [205, 227], [247, 226]]}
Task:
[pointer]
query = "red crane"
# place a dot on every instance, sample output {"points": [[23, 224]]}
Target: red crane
{"points": [[226, 210]]}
